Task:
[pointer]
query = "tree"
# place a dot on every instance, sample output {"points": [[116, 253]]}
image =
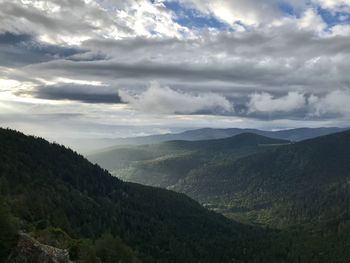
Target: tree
{"points": [[8, 230]]}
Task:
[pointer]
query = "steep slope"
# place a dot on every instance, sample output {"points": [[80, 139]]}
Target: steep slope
{"points": [[47, 185], [166, 163], [303, 182]]}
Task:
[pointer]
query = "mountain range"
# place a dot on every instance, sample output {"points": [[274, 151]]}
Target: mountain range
{"points": [[253, 179], [297, 134], [248, 177], [62, 200], [89, 146], [283, 201], [166, 163]]}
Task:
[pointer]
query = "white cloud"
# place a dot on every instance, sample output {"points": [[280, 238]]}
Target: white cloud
{"points": [[335, 102], [334, 5], [257, 13], [265, 102], [150, 19], [340, 30], [88, 19], [8, 84], [248, 12], [311, 20], [157, 99]]}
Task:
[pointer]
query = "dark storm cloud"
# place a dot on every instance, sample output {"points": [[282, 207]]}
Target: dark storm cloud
{"points": [[8, 38], [148, 70], [88, 56], [23, 49], [73, 92]]}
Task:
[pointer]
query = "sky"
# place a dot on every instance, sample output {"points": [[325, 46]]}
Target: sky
{"points": [[73, 69]]}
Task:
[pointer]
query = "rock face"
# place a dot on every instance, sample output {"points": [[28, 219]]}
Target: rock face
{"points": [[29, 250]]}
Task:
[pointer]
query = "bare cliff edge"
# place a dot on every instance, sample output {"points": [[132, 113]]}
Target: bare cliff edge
{"points": [[29, 250]]}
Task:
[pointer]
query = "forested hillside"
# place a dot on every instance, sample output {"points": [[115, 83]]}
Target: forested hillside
{"points": [[301, 188], [249, 177], [62, 200], [167, 163], [297, 183], [65, 201]]}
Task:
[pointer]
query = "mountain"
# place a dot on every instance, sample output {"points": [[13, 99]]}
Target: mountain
{"points": [[300, 188], [301, 134], [90, 146], [94, 146], [66, 204], [166, 163], [298, 134], [64, 201], [248, 177], [297, 183]]}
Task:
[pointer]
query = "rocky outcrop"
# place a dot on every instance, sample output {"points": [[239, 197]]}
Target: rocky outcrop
{"points": [[29, 250]]}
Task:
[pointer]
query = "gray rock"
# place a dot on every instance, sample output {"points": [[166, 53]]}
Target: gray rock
{"points": [[29, 250]]}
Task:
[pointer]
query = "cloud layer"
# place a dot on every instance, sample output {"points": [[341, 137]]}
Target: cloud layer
{"points": [[265, 102], [233, 62], [164, 100]]}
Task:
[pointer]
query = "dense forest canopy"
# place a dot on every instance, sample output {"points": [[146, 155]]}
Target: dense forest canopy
{"points": [[50, 187], [62, 200], [253, 179]]}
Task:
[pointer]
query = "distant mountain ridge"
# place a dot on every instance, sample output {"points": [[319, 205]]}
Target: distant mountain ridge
{"points": [[173, 160], [299, 134]]}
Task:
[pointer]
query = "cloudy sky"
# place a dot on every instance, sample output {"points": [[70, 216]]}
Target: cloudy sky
{"points": [[111, 68]]}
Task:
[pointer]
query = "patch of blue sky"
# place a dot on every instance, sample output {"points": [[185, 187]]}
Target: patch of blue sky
{"points": [[330, 17], [288, 9], [192, 18], [333, 18]]}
